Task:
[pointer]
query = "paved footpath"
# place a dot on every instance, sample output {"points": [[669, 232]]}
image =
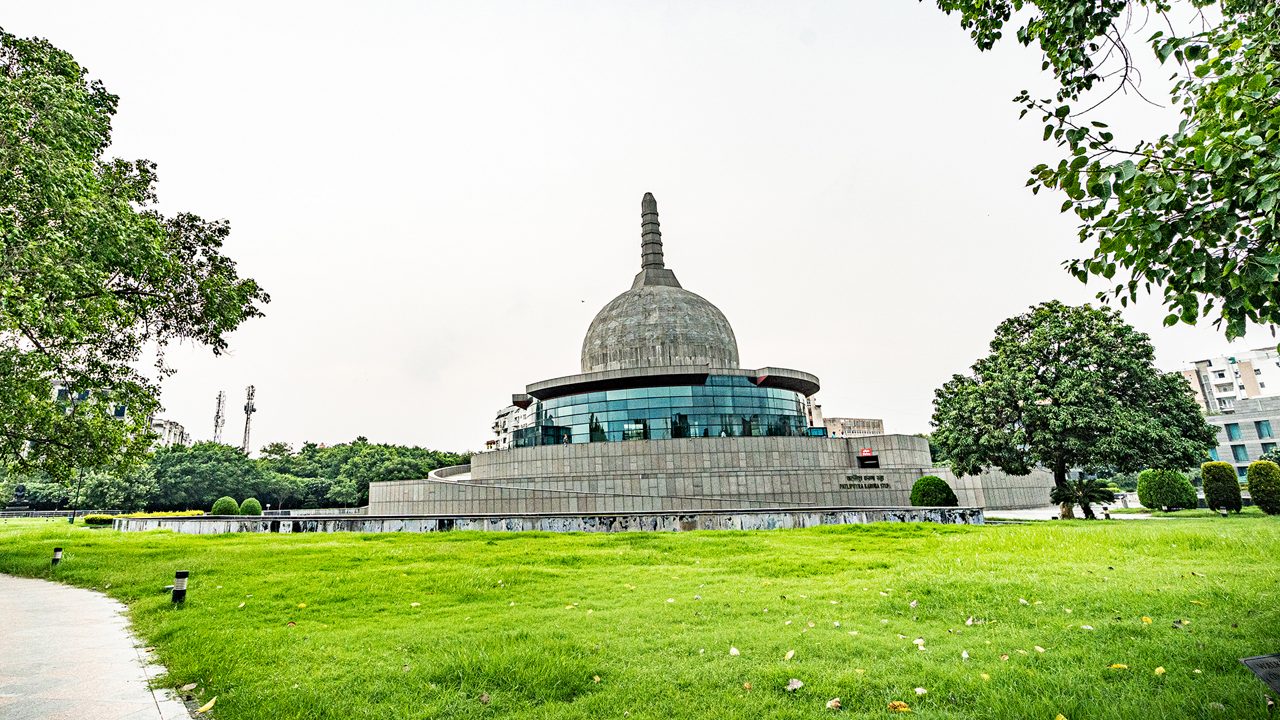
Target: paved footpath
{"points": [[68, 653]]}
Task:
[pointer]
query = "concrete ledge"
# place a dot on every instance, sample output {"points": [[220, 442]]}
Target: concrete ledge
{"points": [[742, 519]]}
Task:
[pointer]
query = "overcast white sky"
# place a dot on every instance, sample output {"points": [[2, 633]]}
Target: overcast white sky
{"points": [[440, 196]]}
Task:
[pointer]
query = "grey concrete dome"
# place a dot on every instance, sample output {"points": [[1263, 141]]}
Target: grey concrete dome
{"points": [[657, 323]]}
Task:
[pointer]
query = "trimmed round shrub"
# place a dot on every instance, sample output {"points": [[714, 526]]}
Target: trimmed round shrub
{"points": [[98, 519], [225, 506], [1264, 486], [251, 506], [1221, 486], [932, 491], [1165, 488]]}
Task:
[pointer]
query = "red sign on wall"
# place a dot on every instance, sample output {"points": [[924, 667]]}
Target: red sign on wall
{"points": [[866, 452]]}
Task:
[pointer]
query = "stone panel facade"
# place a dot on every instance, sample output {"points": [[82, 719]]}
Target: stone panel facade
{"points": [[697, 474], [772, 519]]}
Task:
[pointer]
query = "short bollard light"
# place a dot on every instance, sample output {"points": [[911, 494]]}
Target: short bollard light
{"points": [[1106, 512], [57, 556], [180, 586], [1222, 512]]}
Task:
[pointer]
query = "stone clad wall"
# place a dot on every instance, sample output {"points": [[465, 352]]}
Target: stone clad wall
{"points": [[695, 474], [772, 519]]}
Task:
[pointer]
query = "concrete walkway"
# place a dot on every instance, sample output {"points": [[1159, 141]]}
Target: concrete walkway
{"points": [[1050, 512], [68, 653]]}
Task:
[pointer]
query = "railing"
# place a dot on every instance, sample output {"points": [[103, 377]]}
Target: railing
{"points": [[54, 513]]}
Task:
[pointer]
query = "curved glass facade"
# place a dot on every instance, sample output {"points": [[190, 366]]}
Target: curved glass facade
{"points": [[726, 405]]}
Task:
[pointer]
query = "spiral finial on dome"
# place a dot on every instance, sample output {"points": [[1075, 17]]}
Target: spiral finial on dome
{"points": [[653, 268], [650, 234]]}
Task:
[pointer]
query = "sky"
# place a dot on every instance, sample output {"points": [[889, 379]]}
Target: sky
{"points": [[440, 196]]}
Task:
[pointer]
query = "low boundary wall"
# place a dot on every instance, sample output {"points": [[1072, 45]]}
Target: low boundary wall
{"points": [[745, 519]]}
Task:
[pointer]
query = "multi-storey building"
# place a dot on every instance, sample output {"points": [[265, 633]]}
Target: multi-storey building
{"points": [[842, 427], [509, 419], [1247, 432], [170, 432], [1221, 382]]}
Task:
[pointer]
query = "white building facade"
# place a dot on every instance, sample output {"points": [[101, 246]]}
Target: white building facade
{"points": [[1219, 383]]}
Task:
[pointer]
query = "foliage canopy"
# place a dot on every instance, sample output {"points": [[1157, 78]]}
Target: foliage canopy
{"points": [[1068, 387], [1194, 210], [933, 491], [90, 273], [1221, 486], [1264, 486], [1159, 489]]}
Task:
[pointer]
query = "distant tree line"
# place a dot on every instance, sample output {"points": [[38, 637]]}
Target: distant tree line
{"points": [[181, 478]]}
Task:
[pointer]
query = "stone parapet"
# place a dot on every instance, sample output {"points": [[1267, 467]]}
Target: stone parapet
{"points": [[729, 519]]}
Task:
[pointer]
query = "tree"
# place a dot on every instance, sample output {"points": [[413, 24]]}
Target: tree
{"points": [[1264, 486], [90, 273], [1193, 211], [1221, 486], [193, 477], [1084, 492], [225, 506], [933, 491], [1162, 488], [128, 491], [1068, 387]]}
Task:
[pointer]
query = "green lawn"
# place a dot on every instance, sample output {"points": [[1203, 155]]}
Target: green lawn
{"points": [[435, 625], [1247, 511]]}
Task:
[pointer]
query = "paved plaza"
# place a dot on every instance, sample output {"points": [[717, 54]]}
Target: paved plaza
{"points": [[68, 653]]}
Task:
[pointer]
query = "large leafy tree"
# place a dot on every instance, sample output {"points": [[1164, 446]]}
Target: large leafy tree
{"points": [[1069, 387], [1193, 211], [192, 477], [90, 273]]}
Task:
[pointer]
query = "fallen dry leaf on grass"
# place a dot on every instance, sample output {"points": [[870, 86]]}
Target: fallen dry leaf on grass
{"points": [[1159, 671], [899, 706], [1039, 649], [1004, 657], [595, 678], [1146, 620], [189, 687], [302, 605], [921, 691], [207, 706], [734, 652], [415, 604], [793, 685], [1119, 666], [833, 704], [790, 654], [484, 698], [964, 655], [984, 676], [746, 686]]}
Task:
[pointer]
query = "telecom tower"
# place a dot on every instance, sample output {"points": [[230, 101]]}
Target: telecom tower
{"points": [[249, 410], [220, 416]]}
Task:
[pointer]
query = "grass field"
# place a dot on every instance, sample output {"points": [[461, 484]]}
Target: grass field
{"points": [[524, 625]]}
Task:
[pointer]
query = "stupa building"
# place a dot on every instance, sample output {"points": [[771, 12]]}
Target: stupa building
{"points": [[662, 417]]}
